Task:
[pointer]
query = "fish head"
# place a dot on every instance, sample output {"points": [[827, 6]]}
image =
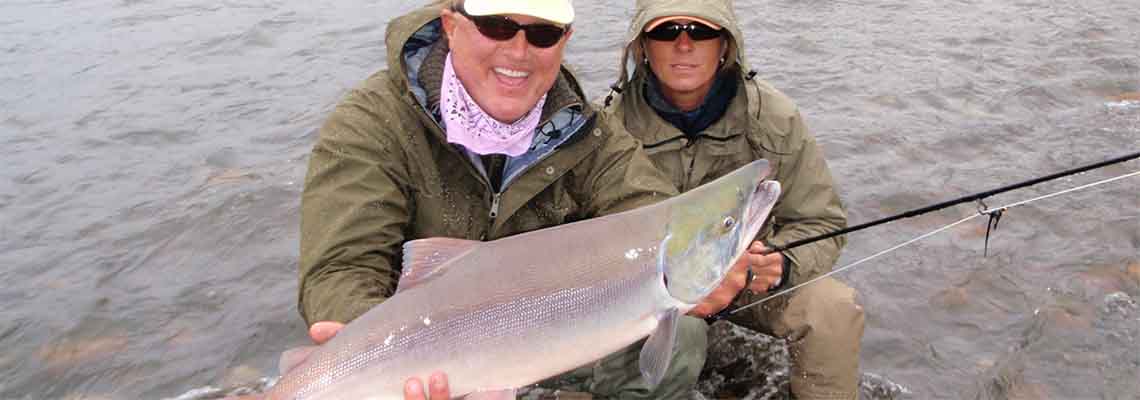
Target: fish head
{"points": [[711, 226]]}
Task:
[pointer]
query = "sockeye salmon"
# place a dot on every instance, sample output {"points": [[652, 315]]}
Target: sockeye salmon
{"points": [[499, 315]]}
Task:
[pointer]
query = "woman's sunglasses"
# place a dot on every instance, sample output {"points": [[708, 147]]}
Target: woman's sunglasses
{"points": [[503, 28], [669, 31]]}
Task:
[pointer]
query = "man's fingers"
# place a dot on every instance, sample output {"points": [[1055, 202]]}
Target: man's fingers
{"points": [[757, 247], [762, 284], [322, 331], [414, 390], [703, 310], [716, 301], [766, 270], [706, 308], [438, 386]]}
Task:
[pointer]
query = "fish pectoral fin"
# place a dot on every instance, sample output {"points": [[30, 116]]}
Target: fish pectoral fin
{"points": [[293, 357], [658, 350], [506, 394], [423, 258]]}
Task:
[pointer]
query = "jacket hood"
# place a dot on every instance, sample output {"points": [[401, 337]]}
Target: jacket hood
{"points": [[719, 12], [407, 35]]}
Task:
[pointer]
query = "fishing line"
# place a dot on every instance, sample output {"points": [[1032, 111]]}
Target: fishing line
{"points": [[981, 212], [1066, 191], [852, 265], [966, 199]]}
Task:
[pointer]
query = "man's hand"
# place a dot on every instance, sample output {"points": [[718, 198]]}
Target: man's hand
{"points": [[766, 273], [322, 331], [437, 388]]}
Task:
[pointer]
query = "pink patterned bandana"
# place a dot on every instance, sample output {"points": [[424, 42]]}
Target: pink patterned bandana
{"points": [[468, 125]]}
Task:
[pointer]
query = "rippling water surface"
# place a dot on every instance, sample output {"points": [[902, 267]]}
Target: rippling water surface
{"points": [[153, 154]]}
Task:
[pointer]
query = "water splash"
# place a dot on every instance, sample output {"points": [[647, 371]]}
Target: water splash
{"points": [[211, 392], [1124, 104]]}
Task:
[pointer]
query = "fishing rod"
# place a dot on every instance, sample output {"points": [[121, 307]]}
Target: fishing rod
{"points": [[947, 204], [994, 214]]}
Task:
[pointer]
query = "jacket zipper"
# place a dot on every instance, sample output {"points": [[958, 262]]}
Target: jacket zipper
{"points": [[507, 180], [486, 183], [496, 196], [495, 207], [692, 162]]}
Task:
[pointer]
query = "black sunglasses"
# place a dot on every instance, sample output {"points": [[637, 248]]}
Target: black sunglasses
{"points": [[669, 31], [502, 28]]}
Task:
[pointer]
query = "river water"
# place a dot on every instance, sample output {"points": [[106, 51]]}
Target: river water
{"points": [[153, 155]]}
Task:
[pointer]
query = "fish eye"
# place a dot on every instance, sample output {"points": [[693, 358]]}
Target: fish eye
{"points": [[729, 222]]}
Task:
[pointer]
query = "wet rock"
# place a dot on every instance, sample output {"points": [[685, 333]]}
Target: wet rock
{"points": [[1119, 303], [181, 337], [1133, 272], [747, 365], [889, 100], [1127, 96], [873, 386], [985, 363], [1029, 391], [1062, 318], [260, 386], [950, 298], [230, 175], [86, 397], [214, 393], [1006, 381], [1102, 279], [1084, 359], [74, 351], [744, 364], [241, 374]]}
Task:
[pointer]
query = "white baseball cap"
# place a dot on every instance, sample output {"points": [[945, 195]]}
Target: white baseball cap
{"points": [[557, 11]]}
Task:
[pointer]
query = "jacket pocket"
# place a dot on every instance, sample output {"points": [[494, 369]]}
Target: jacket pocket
{"points": [[768, 146]]}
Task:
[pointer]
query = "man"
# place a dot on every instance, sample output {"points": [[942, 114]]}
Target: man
{"points": [[701, 113], [475, 131]]}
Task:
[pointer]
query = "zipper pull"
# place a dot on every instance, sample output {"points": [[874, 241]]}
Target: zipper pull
{"points": [[495, 205]]}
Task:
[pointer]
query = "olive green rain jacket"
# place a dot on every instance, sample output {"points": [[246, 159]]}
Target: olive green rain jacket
{"points": [[761, 122], [382, 173]]}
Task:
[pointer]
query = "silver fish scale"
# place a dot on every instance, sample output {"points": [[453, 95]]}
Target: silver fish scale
{"points": [[494, 326]]}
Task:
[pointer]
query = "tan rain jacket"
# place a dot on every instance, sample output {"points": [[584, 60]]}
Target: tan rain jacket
{"points": [[382, 173], [761, 123]]}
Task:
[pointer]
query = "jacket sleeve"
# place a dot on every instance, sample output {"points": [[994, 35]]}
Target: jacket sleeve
{"points": [[620, 176], [809, 205], [354, 210]]}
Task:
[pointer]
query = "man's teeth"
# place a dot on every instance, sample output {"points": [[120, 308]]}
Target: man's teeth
{"points": [[511, 73]]}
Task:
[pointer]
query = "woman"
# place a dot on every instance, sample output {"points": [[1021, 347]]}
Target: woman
{"points": [[700, 113]]}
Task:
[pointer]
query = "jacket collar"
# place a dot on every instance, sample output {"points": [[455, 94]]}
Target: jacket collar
{"points": [[645, 122], [692, 123]]}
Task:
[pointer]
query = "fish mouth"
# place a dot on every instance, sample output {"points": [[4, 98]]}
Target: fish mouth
{"points": [[759, 206]]}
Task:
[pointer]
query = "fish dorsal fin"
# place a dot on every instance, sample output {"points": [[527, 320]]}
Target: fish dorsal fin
{"points": [[658, 350], [423, 258], [293, 357], [508, 394]]}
